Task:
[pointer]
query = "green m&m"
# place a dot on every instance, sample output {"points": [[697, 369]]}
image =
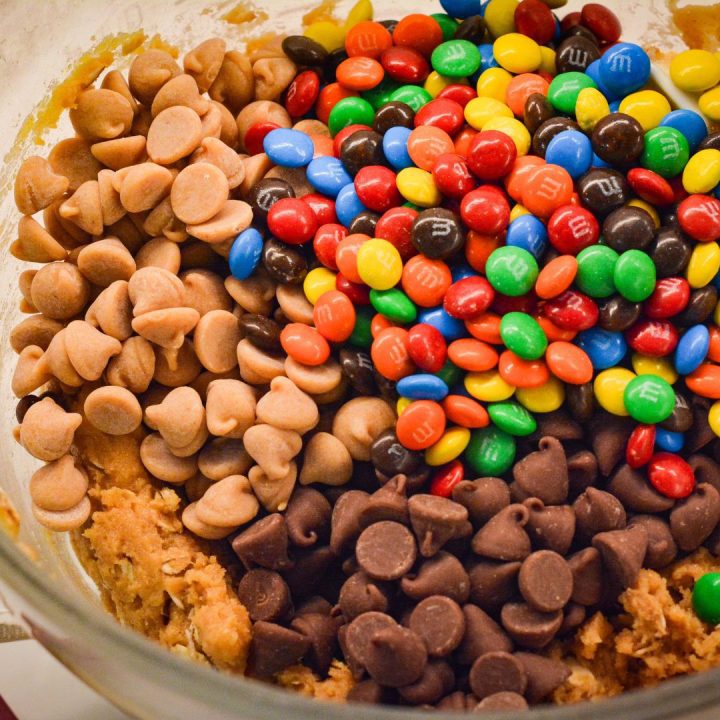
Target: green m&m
{"points": [[666, 151], [565, 88], [512, 418], [491, 451], [522, 334], [350, 111], [394, 304], [596, 266], [456, 58], [706, 598], [511, 270], [634, 275], [649, 399]]}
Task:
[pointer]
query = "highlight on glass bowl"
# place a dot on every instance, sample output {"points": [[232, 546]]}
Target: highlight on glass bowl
{"points": [[381, 361]]}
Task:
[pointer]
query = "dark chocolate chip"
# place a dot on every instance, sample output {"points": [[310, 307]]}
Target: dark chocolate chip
{"points": [[496, 672], [706, 470], [558, 424], [582, 471], [440, 622], [355, 637], [437, 679], [368, 692], [598, 511], [609, 435], [492, 584], [345, 522], [573, 617], [386, 550], [387, 503], [580, 400], [265, 595], [545, 581], [309, 567], [360, 594], [321, 631], [661, 549]]}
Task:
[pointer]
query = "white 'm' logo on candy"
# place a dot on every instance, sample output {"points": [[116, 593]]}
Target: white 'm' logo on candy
{"points": [[423, 433], [579, 227], [427, 278]]}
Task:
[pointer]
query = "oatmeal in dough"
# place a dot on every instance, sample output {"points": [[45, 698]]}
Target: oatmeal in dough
{"points": [[657, 637], [153, 575]]}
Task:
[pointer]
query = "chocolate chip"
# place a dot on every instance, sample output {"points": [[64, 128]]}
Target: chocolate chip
{"points": [[355, 637], [503, 537], [586, 568], [440, 622], [635, 492], [483, 497], [623, 552], [550, 527], [307, 517], [456, 702], [273, 648], [702, 433], [436, 520], [482, 635], [314, 604], [502, 701], [387, 503], [543, 473], [558, 424], [609, 435], [368, 692], [492, 584], [265, 595], [582, 471], [345, 522], [661, 549], [396, 656], [528, 627], [386, 550], [544, 675], [321, 631], [436, 680], [573, 617], [265, 543], [693, 519], [706, 470], [442, 574], [597, 511], [360, 594], [496, 672], [309, 567], [545, 581]]}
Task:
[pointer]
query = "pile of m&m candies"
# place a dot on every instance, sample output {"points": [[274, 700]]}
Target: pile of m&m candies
{"points": [[504, 220]]}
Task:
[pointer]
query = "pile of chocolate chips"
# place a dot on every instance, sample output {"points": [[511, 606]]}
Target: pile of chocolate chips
{"points": [[450, 602]]}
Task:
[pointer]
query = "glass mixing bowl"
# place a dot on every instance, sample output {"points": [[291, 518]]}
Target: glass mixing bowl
{"points": [[43, 584]]}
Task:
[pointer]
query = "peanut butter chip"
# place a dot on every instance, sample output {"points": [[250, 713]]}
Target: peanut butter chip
{"points": [[287, 407], [175, 368], [205, 291], [294, 304], [272, 449], [166, 328], [179, 417], [30, 372], [272, 76], [37, 185], [59, 291], [120, 152], [112, 311], [204, 62], [181, 90], [211, 123], [254, 295], [193, 523], [66, 520], [134, 367], [359, 421], [47, 431], [115, 80], [273, 493], [233, 217], [88, 349], [144, 186], [199, 193], [154, 289], [159, 252], [216, 337], [59, 485], [256, 166], [35, 244], [101, 114], [228, 503], [110, 206], [163, 464], [34, 330], [113, 410], [258, 367], [214, 151], [234, 85], [173, 134], [149, 72], [222, 457], [83, 208], [57, 363], [326, 460], [72, 158], [106, 261], [314, 379], [230, 408]]}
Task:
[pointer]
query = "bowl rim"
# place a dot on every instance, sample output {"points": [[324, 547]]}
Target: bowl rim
{"points": [[225, 692]]}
